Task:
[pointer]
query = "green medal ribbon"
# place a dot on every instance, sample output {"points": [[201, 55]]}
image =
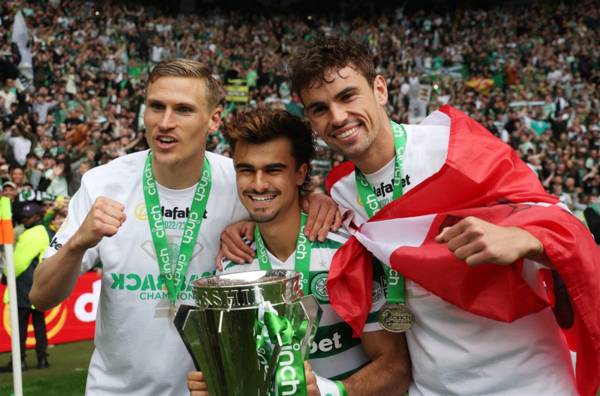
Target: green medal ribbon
{"points": [[372, 206], [302, 255], [174, 277]]}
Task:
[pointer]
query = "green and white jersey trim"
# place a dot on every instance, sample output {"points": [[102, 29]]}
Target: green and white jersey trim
{"points": [[334, 354]]}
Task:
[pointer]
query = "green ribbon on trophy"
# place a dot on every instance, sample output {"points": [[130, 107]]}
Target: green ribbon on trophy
{"points": [[264, 346], [302, 255], [289, 375], [174, 276], [271, 328], [394, 316]]}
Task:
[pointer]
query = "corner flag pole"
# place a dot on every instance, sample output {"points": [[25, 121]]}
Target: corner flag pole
{"points": [[7, 239]]}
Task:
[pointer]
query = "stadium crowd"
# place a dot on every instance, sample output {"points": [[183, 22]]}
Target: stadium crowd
{"points": [[529, 73]]}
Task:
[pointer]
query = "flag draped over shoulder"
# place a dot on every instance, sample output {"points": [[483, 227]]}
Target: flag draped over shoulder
{"points": [[481, 177], [6, 226]]}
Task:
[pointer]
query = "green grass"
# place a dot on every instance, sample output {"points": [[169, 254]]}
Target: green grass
{"points": [[66, 375]]}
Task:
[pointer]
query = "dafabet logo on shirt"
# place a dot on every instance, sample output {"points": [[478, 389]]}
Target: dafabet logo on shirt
{"points": [[385, 191], [174, 217]]}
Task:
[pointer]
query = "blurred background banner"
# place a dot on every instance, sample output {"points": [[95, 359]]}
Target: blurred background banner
{"points": [[73, 320], [237, 91]]}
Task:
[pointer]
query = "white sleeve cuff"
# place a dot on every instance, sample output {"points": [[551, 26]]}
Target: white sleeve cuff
{"points": [[327, 387]]}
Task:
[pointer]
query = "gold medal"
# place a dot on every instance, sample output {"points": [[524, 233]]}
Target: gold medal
{"points": [[396, 318]]}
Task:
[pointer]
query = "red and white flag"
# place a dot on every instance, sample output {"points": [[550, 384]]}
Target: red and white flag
{"points": [[481, 177]]}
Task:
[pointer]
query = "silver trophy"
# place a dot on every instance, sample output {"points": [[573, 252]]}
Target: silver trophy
{"points": [[221, 332]]}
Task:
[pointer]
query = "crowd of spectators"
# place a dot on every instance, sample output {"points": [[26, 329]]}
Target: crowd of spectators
{"points": [[528, 72]]}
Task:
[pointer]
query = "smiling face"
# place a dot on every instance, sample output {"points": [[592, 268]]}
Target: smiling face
{"points": [[267, 179], [178, 119], [347, 113]]}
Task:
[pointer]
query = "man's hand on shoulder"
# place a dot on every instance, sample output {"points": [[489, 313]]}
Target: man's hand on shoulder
{"points": [[104, 219], [323, 216], [235, 243], [477, 241]]}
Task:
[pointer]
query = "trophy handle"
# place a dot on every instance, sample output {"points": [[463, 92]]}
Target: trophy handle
{"points": [[307, 308], [187, 325]]}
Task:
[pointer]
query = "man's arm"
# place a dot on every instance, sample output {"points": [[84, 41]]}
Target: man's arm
{"points": [[477, 241], [323, 216], [388, 373], [55, 277]]}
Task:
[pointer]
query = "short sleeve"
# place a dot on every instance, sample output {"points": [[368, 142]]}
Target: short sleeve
{"points": [[79, 207]]}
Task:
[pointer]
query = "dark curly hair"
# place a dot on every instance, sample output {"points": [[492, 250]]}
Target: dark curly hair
{"points": [[263, 125], [310, 62]]}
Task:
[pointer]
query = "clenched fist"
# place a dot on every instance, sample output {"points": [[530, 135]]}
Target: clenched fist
{"points": [[104, 218]]}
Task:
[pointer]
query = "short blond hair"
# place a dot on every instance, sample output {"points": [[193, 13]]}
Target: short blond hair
{"points": [[188, 68]]}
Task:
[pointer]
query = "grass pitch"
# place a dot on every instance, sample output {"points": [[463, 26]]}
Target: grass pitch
{"points": [[65, 377]]}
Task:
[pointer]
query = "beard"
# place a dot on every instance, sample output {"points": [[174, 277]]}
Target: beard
{"points": [[259, 217]]}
